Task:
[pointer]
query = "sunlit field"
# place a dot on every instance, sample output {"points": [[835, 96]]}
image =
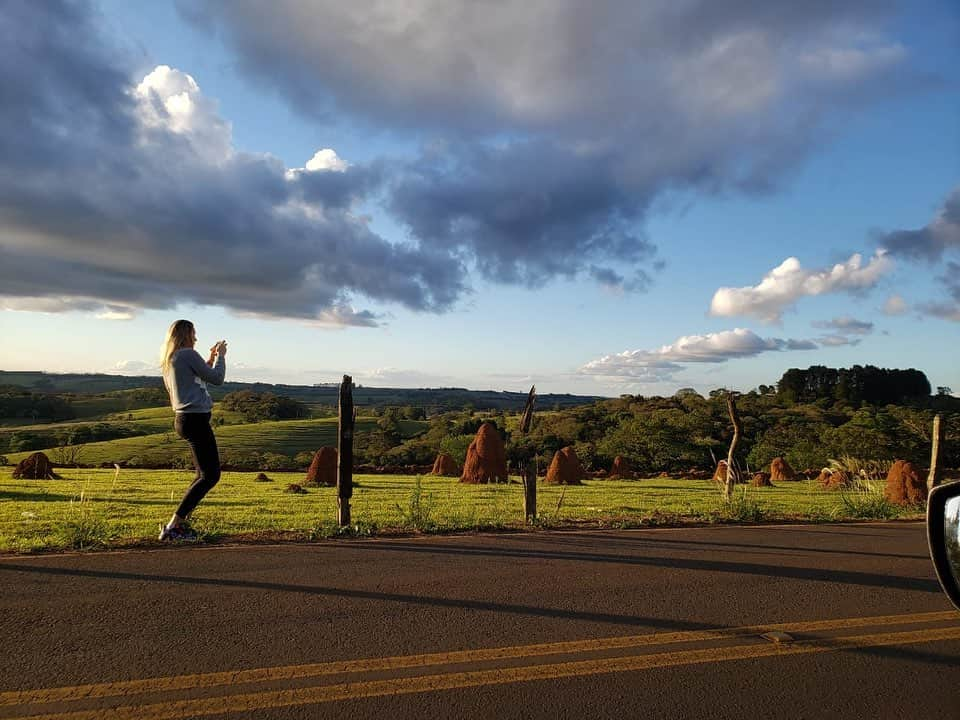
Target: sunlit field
{"points": [[93, 508]]}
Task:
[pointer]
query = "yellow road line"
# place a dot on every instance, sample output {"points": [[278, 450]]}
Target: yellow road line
{"points": [[450, 681], [292, 672]]}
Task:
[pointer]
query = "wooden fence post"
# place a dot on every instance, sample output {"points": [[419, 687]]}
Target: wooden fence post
{"points": [[933, 478], [528, 467], [731, 469], [346, 416]]}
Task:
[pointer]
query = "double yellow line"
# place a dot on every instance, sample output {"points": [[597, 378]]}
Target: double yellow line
{"points": [[747, 647]]}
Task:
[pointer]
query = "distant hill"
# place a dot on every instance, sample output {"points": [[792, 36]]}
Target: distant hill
{"points": [[433, 399]]}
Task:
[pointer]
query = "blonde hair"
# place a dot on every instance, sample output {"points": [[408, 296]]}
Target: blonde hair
{"points": [[178, 336]]}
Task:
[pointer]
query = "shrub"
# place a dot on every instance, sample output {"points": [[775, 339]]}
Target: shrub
{"points": [[868, 503], [417, 513], [741, 508]]}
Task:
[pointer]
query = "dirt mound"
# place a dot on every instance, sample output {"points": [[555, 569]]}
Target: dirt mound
{"points": [[620, 470], [761, 479], [565, 468], [834, 479], [294, 489], [904, 485], [323, 469], [486, 458], [445, 466], [262, 477], [780, 470], [35, 467]]}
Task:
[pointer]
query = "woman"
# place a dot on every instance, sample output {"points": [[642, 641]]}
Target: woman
{"points": [[186, 375]]}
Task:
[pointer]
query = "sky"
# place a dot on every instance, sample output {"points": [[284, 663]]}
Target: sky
{"points": [[603, 198]]}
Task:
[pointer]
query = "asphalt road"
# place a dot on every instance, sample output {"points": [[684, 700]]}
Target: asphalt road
{"points": [[635, 624]]}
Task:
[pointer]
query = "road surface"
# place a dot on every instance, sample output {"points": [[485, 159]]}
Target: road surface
{"points": [[634, 624]]}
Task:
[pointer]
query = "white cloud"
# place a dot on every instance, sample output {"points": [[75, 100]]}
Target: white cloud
{"points": [[789, 282], [326, 159], [135, 367], [837, 340], [116, 315], [171, 100], [662, 363], [894, 305]]}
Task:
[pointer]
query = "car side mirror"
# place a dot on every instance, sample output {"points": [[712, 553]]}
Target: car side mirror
{"points": [[943, 536]]}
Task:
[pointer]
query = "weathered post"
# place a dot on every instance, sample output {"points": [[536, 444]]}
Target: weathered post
{"points": [[346, 416], [731, 469], [528, 466], [933, 478]]}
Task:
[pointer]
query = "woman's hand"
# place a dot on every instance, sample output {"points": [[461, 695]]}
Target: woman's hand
{"points": [[222, 347]]}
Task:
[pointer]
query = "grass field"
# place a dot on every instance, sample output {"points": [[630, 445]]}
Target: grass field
{"points": [[100, 508], [147, 420], [285, 437]]}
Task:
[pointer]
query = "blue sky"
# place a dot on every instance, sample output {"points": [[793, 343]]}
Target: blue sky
{"points": [[546, 196]]}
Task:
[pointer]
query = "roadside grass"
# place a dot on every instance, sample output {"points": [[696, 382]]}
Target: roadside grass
{"points": [[868, 502], [285, 437], [93, 508]]}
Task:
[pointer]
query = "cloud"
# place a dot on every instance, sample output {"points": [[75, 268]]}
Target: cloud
{"points": [[894, 305], [787, 283], [931, 241], [550, 64], [949, 307], [135, 367], [942, 310], [846, 324], [548, 127], [837, 340], [663, 363], [116, 314], [524, 213], [119, 192]]}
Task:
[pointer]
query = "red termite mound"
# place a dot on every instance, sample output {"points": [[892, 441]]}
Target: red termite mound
{"points": [[35, 467], [486, 458], [445, 466], [323, 469], [565, 468], [780, 470], [620, 469], [904, 485], [834, 479], [761, 479]]}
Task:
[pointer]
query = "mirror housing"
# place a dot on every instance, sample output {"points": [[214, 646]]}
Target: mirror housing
{"points": [[943, 537]]}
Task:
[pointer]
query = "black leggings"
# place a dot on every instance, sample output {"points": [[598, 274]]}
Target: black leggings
{"points": [[195, 429]]}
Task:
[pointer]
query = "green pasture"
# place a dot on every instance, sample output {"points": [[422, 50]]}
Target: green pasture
{"points": [[105, 508], [151, 420], [284, 437]]}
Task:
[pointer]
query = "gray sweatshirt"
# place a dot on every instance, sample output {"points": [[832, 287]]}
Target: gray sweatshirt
{"points": [[186, 380]]}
